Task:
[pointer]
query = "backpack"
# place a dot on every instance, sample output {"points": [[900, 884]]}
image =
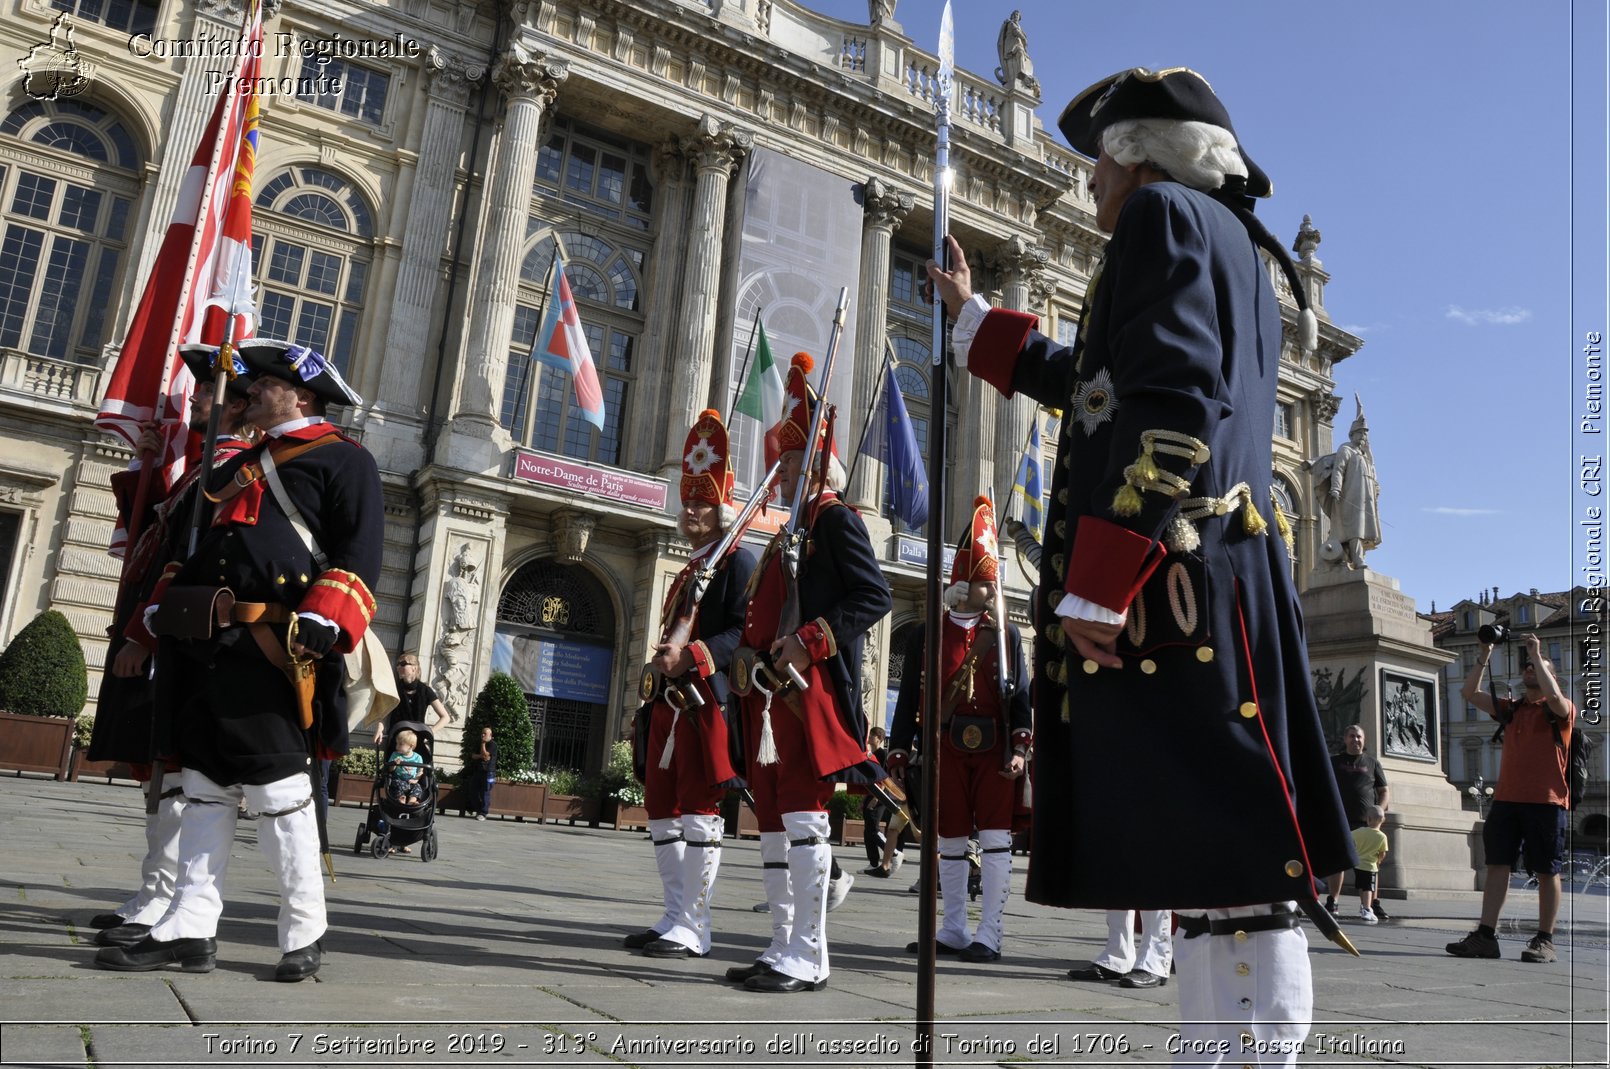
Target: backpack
{"points": [[1578, 759]]}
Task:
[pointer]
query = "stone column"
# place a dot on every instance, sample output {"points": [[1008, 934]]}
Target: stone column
{"points": [[530, 81], [660, 311], [715, 148], [886, 207], [1025, 285], [404, 367]]}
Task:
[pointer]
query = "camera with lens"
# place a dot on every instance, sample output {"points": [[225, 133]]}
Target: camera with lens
{"points": [[1492, 634]]}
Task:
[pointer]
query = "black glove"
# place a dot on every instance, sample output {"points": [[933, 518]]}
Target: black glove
{"points": [[315, 637]]}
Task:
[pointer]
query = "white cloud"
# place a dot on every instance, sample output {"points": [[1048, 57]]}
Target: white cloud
{"points": [[1364, 329], [1450, 510], [1489, 317]]}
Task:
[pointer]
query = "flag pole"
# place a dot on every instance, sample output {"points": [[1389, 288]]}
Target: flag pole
{"points": [[743, 372], [529, 424], [866, 427], [1023, 453], [927, 928]]}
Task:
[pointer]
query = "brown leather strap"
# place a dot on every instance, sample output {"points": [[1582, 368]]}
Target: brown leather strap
{"points": [[272, 647], [955, 688], [257, 612], [251, 471]]}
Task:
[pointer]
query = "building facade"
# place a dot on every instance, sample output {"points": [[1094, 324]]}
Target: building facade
{"points": [[700, 167]]}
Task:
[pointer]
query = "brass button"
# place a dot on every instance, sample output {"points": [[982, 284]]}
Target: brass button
{"points": [[1242, 968], [1249, 710], [1294, 869], [1204, 654], [280, 580], [1091, 667], [304, 578], [1240, 936], [222, 561], [1148, 666]]}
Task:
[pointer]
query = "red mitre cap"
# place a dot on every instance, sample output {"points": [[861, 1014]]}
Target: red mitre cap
{"points": [[976, 555], [798, 400], [706, 469]]}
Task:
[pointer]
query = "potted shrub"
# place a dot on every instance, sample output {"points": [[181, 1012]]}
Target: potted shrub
{"points": [[571, 796], [43, 687], [844, 818], [357, 774], [623, 795], [521, 795]]}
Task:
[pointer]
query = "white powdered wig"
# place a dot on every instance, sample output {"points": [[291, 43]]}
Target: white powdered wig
{"points": [[837, 477], [726, 516], [1195, 154]]}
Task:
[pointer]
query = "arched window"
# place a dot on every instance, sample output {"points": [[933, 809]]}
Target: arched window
{"points": [[64, 239], [312, 252], [133, 16], [605, 280]]}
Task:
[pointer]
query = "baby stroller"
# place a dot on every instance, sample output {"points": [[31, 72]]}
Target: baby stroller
{"points": [[392, 823]]}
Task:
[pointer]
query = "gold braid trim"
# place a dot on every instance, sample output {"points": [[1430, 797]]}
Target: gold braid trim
{"points": [[1145, 474], [1182, 534]]}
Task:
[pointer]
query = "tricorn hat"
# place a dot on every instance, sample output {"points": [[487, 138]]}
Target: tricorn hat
{"points": [[299, 366], [199, 357], [1176, 93], [706, 464], [977, 555]]}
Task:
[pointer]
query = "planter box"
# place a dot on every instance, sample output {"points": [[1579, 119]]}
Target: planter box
{"points": [[748, 823], [355, 789], [36, 743], [854, 832], [630, 816], [450, 796], [83, 768], [519, 800], [570, 808]]}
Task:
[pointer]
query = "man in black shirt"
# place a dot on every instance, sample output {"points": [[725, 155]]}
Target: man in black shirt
{"points": [[414, 696], [481, 771], [1362, 783]]}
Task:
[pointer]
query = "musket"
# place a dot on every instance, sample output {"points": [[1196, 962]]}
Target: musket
{"points": [[927, 928], [798, 527], [653, 682]]}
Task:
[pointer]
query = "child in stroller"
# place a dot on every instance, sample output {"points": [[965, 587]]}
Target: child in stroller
{"points": [[402, 800]]}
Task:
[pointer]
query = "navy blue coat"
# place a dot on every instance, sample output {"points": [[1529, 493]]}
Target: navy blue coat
{"points": [[1197, 775]]}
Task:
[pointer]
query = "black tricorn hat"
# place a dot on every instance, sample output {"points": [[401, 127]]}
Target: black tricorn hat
{"points": [[199, 357], [299, 366], [1176, 93]]}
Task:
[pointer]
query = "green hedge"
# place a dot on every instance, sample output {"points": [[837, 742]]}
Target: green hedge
{"points": [[501, 706], [42, 672]]}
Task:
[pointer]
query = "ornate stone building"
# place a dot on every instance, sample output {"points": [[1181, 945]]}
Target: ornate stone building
{"points": [[700, 165]]}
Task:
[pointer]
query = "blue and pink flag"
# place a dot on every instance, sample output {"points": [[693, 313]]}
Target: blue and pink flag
{"points": [[562, 344]]}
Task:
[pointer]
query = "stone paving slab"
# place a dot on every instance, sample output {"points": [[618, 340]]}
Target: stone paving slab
{"points": [[512, 936]]}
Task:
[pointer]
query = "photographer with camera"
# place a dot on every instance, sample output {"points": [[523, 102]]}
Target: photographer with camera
{"points": [[1531, 799]]}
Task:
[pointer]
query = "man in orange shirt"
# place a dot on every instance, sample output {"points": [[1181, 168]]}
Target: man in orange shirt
{"points": [[1529, 806]]}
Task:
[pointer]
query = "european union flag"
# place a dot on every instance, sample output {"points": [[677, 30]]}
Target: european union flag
{"points": [[896, 446], [1029, 484]]}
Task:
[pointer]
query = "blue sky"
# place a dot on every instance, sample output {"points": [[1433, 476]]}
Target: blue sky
{"points": [[1430, 140]]}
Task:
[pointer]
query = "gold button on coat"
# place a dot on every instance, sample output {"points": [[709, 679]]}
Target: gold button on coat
{"points": [[1249, 710], [1204, 654], [1242, 968], [1148, 666], [1294, 869]]}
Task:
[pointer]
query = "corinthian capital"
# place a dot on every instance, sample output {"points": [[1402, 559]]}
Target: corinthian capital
{"points": [[1020, 260], [523, 73], [717, 146], [886, 206]]}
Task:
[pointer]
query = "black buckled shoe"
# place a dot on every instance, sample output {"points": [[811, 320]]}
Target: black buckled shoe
{"points": [[1094, 974], [639, 940], [940, 948], [978, 953], [299, 964], [107, 920], [124, 935], [742, 973], [666, 948], [191, 955], [1142, 978], [773, 982]]}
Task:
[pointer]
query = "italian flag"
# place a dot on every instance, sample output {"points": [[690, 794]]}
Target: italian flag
{"points": [[762, 397]]}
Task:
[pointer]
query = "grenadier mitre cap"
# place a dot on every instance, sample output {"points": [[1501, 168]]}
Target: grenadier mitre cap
{"points": [[1177, 93], [978, 552], [706, 464], [798, 402]]}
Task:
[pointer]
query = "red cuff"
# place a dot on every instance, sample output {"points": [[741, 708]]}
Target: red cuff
{"points": [[1022, 738], [702, 659], [993, 356], [1109, 564], [342, 598], [896, 759], [817, 639]]}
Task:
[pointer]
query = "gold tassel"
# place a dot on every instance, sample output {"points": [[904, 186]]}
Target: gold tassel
{"points": [[1126, 502], [1252, 522], [1283, 525], [1146, 465], [1183, 536]]}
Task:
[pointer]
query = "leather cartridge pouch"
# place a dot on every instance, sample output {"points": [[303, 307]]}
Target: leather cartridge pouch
{"points": [[972, 734], [193, 613], [742, 671], [298, 670]]}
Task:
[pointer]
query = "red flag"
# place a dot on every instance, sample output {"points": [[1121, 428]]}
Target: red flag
{"points": [[562, 344], [207, 247]]}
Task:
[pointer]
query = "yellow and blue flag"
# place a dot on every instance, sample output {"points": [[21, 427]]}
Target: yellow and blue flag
{"points": [[1029, 483]]}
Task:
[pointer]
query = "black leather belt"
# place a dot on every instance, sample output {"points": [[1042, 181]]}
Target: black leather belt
{"points": [[1195, 926]]}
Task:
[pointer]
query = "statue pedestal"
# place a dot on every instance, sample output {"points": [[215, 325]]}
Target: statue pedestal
{"points": [[1374, 665]]}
